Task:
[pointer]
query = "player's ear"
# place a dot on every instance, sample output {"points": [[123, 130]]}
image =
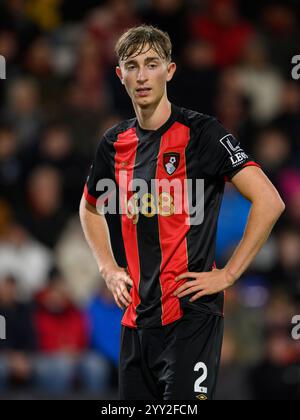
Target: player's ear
{"points": [[171, 71], [119, 74]]}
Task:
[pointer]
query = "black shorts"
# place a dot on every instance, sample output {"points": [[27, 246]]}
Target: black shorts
{"points": [[179, 361]]}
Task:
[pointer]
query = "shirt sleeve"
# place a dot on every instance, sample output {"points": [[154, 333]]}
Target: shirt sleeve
{"points": [[222, 155], [99, 171]]}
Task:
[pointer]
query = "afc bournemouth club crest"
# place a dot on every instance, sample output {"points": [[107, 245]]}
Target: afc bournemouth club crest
{"points": [[171, 162]]}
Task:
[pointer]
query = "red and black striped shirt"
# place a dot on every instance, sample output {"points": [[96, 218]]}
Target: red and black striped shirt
{"points": [[159, 242]]}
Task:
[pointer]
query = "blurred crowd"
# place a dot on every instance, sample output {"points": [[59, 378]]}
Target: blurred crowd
{"points": [[61, 93]]}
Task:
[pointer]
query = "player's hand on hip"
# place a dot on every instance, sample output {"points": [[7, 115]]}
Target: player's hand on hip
{"points": [[118, 282], [202, 284]]}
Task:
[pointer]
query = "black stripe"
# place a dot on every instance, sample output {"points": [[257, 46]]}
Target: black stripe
{"points": [[201, 239], [149, 311], [114, 220]]}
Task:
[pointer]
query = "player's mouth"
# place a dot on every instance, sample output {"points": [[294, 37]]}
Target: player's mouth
{"points": [[143, 91]]}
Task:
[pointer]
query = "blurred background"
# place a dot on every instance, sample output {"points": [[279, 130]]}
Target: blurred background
{"points": [[60, 95]]}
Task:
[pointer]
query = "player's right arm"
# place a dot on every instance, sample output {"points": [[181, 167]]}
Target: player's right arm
{"points": [[96, 233], [96, 230]]}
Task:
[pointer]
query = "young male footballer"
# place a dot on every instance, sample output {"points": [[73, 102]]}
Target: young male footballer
{"points": [[171, 291]]}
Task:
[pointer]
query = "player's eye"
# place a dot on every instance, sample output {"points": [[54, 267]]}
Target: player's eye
{"points": [[130, 67], [152, 66]]}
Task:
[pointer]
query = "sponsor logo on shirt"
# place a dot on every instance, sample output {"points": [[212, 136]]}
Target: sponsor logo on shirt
{"points": [[231, 144], [237, 155], [238, 158]]}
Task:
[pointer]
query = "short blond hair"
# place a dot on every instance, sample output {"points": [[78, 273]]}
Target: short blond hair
{"points": [[134, 41]]}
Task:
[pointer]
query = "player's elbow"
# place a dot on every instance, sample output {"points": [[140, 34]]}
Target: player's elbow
{"points": [[281, 206], [269, 204], [275, 206]]}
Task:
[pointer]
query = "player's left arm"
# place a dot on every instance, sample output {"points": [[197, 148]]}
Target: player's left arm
{"points": [[266, 208]]}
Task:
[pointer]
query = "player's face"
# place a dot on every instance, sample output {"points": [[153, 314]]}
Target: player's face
{"points": [[145, 77]]}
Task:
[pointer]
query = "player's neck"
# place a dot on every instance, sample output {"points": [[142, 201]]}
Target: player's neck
{"points": [[155, 116]]}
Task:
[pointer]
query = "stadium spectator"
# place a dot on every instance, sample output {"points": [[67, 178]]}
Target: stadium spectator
{"points": [[44, 216], [11, 166], [23, 110], [62, 336], [224, 29], [25, 259], [105, 324], [16, 351]]}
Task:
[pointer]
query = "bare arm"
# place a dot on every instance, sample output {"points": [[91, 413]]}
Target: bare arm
{"points": [[267, 206], [97, 235]]}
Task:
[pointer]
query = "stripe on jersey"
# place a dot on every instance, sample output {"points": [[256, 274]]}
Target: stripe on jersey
{"points": [[89, 198], [148, 236], [173, 229], [252, 164], [126, 148]]}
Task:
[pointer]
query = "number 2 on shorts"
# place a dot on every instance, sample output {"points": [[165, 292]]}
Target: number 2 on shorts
{"points": [[199, 381]]}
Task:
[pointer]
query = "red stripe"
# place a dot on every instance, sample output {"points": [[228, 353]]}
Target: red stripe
{"points": [[226, 179], [173, 229], [89, 198], [126, 148], [95, 201], [252, 164]]}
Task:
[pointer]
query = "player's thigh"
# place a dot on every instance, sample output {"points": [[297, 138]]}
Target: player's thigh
{"points": [[196, 358]]}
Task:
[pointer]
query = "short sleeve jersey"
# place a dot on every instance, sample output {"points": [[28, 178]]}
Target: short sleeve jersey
{"points": [[169, 227]]}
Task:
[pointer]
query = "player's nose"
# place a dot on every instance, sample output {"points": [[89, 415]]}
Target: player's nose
{"points": [[141, 76]]}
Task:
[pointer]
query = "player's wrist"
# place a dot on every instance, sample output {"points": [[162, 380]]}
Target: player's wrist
{"points": [[107, 269], [231, 277]]}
